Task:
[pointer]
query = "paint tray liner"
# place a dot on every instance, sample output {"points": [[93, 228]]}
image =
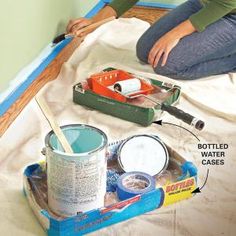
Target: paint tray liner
{"points": [[101, 84]]}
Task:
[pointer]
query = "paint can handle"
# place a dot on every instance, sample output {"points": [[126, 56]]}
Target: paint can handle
{"points": [[43, 151]]}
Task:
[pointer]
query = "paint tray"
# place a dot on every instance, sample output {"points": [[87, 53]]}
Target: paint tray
{"points": [[35, 188], [101, 84], [91, 93]]}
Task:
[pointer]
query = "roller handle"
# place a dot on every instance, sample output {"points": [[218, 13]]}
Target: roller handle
{"points": [[185, 117]]}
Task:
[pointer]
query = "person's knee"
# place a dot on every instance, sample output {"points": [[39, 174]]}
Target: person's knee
{"points": [[142, 49], [172, 66], [176, 64], [164, 70], [172, 69], [175, 72]]}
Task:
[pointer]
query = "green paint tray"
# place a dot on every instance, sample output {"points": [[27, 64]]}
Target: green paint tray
{"points": [[139, 110]]}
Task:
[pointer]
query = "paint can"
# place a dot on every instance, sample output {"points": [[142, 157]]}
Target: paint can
{"points": [[143, 153], [77, 181]]}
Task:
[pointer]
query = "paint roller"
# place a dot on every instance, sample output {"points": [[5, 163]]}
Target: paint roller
{"points": [[88, 28], [174, 111]]}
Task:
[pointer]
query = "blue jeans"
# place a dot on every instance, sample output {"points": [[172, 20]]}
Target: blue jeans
{"points": [[200, 54]]}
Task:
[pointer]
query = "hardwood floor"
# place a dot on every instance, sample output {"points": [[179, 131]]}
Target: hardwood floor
{"points": [[146, 14]]}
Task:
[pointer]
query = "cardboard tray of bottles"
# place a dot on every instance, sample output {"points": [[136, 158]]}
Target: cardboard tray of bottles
{"points": [[83, 223]]}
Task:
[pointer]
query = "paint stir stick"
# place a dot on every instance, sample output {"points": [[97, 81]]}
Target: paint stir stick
{"points": [[55, 127]]}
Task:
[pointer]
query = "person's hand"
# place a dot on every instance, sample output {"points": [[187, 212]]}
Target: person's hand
{"points": [[74, 26], [167, 42], [162, 48]]}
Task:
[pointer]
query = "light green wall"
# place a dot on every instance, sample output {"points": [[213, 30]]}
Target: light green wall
{"points": [[81, 7], [27, 26]]}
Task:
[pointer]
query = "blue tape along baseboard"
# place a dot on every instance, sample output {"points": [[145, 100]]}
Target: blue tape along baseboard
{"points": [[149, 4], [95, 9]]}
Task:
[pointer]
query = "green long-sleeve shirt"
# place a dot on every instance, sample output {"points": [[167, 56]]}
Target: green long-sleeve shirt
{"points": [[212, 11]]}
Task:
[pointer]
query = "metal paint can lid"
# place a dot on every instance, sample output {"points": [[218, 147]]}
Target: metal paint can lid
{"points": [[84, 139], [143, 153]]}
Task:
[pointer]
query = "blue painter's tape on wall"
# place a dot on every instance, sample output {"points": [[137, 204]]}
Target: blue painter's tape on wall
{"points": [[150, 4], [95, 9]]}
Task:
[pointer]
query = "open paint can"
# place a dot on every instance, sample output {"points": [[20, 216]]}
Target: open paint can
{"points": [[77, 181], [143, 153]]}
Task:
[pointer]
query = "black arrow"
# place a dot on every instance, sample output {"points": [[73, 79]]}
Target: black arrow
{"points": [[198, 190], [160, 122]]}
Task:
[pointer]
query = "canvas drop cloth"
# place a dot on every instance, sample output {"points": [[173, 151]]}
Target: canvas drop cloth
{"points": [[213, 212]]}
